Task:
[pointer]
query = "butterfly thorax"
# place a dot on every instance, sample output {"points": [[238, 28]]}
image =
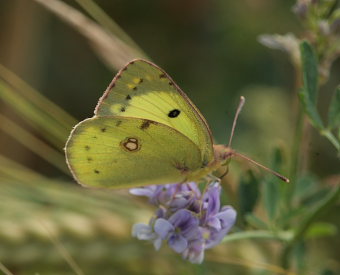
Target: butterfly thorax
{"points": [[222, 154]]}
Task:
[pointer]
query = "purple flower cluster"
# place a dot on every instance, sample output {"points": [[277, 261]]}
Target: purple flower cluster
{"points": [[186, 219]]}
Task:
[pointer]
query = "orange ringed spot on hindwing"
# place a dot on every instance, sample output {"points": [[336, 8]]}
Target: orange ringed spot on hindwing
{"points": [[130, 144]]}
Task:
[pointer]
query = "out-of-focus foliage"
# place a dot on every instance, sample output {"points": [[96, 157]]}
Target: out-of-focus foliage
{"points": [[69, 50]]}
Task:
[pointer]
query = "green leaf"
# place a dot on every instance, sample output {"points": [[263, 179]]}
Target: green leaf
{"points": [[310, 70], [306, 185], [248, 193], [334, 111], [321, 229], [309, 92], [272, 187]]}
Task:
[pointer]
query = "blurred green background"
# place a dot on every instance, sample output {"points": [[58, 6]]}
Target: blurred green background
{"points": [[210, 49]]}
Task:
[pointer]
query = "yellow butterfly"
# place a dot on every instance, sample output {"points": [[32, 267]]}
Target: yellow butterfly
{"points": [[145, 131]]}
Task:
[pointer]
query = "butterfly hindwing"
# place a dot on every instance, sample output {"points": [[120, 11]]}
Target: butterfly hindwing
{"points": [[114, 151], [143, 90]]}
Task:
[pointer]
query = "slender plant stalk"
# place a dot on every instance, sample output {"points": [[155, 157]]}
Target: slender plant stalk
{"points": [[63, 251], [113, 51], [108, 23], [34, 144], [36, 98], [38, 118], [5, 270]]}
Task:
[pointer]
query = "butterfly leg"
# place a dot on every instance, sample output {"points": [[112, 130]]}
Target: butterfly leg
{"points": [[211, 178]]}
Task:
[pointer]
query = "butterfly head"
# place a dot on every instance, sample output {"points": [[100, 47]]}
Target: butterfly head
{"points": [[223, 153]]}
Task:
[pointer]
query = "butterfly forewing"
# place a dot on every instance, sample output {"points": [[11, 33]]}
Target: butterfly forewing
{"points": [[143, 90], [120, 152]]}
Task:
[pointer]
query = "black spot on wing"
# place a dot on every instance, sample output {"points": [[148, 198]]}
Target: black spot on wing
{"points": [[145, 124], [174, 113], [122, 109], [96, 171], [103, 130], [128, 97]]}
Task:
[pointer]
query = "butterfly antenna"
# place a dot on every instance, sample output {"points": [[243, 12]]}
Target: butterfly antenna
{"points": [[262, 166], [239, 108]]}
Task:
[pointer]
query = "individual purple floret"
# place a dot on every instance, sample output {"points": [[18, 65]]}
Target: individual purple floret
{"points": [[195, 251], [178, 230], [187, 220], [145, 232], [217, 221]]}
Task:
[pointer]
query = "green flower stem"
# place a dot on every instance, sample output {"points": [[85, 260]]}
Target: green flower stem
{"points": [[323, 206], [284, 236]]}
